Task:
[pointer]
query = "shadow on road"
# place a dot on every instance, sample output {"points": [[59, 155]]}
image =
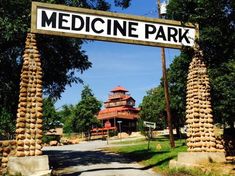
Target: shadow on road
{"points": [[102, 169], [120, 168], [60, 160], [66, 158]]}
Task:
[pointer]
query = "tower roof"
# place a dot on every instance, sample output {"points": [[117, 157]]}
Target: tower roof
{"points": [[119, 89]]}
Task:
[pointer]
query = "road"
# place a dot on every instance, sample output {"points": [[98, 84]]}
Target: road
{"points": [[88, 159]]}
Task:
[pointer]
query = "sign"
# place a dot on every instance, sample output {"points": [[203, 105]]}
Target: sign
{"points": [[150, 124], [106, 26]]}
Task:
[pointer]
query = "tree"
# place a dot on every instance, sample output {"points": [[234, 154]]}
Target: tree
{"points": [[61, 57], [67, 114], [7, 128], [86, 111], [217, 34], [153, 107], [50, 117], [177, 77], [223, 93], [216, 24]]}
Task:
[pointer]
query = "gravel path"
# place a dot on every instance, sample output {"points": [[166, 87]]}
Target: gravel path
{"points": [[88, 159]]}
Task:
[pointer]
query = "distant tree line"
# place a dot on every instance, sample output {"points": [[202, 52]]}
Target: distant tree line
{"points": [[77, 118]]}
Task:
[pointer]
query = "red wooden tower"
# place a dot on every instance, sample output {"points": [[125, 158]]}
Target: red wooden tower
{"points": [[120, 111]]}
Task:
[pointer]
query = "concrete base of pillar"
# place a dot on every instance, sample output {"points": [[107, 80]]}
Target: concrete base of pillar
{"points": [[196, 159], [29, 166]]}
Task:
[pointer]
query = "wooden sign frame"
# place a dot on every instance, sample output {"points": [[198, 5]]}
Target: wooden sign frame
{"points": [[34, 29]]}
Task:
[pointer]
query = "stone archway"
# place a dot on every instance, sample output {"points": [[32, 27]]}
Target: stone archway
{"points": [[29, 132]]}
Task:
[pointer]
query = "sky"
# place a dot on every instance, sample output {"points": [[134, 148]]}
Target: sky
{"points": [[136, 68]]}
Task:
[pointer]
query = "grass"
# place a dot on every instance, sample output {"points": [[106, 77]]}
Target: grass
{"points": [[189, 172], [158, 156], [142, 140]]}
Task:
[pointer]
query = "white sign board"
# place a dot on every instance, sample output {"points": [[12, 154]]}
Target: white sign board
{"points": [[92, 24], [150, 124]]}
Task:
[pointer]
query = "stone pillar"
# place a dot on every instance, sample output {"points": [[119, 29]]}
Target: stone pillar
{"points": [[199, 119], [203, 147], [7, 149], [29, 115]]}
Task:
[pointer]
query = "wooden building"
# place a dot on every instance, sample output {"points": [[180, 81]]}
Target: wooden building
{"points": [[119, 111]]}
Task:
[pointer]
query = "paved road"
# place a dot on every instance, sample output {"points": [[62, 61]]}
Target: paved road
{"points": [[88, 159]]}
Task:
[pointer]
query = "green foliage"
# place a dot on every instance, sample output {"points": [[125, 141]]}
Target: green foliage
{"points": [[46, 139], [177, 78], [140, 126], [85, 112], [67, 115], [81, 117], [50, 116], [223, 92], [61, 57], [7, 124], [216, 23], [122, 3], [153, 104], [217, 36], [113, 133], [153, 107]]}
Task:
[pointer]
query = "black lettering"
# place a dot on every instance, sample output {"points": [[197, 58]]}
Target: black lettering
{"points": [[161, 34], [74, 17], [132, 28], [117, 27], [87, 24], [61, 20], [184, 36], [108, 27], [93, 25], [149, 29], [172, 33], [48, 21]]}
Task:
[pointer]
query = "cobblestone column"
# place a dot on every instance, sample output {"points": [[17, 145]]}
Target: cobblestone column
{"points": [[199, 119], [29, 115], [7, 149]]}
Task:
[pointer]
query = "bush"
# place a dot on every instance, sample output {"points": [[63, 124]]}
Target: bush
{"points": [[46, 139], [113, 133]]}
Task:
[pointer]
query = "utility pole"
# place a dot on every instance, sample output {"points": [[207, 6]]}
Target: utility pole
{"points": [[166, 91]]}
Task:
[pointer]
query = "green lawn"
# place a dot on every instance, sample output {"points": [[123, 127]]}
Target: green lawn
{"points": [[141, 140], [158, 156]]}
